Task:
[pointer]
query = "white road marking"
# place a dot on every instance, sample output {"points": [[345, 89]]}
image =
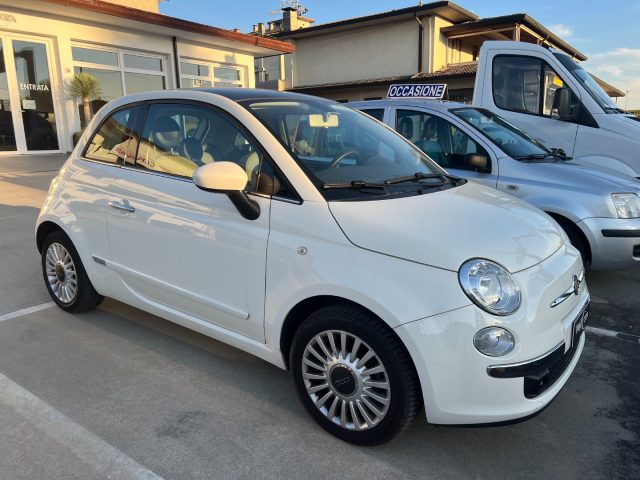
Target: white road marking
{"points": [[107, 461], [25, 311], [610, 333]]}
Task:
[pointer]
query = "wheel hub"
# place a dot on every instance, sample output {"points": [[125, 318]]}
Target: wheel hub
{"points": [[59, 271], [343, 381]]}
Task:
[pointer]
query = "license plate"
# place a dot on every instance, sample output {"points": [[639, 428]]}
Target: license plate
{"points": [[579, 325]]}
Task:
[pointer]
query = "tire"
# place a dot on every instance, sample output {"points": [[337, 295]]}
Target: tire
{"points": [[65, 277], [394, 395], [576, 238]]}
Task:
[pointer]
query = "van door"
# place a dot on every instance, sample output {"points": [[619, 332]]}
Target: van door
{"points": [[447, 144], [182, 248], [525, 87]]}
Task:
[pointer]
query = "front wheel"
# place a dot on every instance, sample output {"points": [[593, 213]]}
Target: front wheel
{"points": [[65, 277], [354, 376]]}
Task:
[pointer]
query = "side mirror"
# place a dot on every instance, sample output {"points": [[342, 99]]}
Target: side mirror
{"points": [[228, 178], [478, 161], [561, 109]]}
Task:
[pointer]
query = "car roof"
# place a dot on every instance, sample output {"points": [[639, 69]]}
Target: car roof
{"points": [[439, 105], [242, 94]]}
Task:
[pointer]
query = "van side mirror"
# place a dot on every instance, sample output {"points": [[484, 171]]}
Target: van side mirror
{"points": [[228, 178], [561, 109], [479, 162]]}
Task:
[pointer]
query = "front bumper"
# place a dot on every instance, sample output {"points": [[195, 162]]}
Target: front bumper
{"points": [[457, 386], [615, 242]]}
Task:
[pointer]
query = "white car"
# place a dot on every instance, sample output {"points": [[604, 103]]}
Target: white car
{"points": [[305, 233]]}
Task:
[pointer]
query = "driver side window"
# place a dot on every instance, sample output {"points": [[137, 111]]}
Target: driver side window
{"points": [[179, 138], [445, 143]]}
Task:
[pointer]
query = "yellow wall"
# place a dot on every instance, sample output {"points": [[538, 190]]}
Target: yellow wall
{"points": [[148, 5]]}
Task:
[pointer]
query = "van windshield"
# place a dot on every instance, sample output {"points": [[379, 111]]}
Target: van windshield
{"points": [[345, 153], [508, 137], [589, 84]]}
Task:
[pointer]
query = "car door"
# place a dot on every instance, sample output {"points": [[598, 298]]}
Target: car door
{"points": [[447, 144], [182, 248], [523, 91]]}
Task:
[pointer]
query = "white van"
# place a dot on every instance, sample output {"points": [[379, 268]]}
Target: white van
{"points": [[547, 94]]}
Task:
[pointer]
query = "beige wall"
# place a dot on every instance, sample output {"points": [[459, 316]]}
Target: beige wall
{"points": [[373, 52], [148, 5]]}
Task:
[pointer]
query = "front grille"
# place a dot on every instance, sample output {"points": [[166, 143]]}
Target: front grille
{"points": [[537, 383]]}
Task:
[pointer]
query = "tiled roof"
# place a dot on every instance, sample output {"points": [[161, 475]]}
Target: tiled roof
{"points": [[450, 71]]}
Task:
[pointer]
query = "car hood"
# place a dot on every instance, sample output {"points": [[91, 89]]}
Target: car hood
{"points": [[577, 177], [444, 229]]}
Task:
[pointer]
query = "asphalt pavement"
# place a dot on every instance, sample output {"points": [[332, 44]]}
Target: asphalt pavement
{"points": [[118, 393]]}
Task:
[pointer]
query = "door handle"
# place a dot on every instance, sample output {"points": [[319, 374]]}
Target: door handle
{"points": [[122, 206]]}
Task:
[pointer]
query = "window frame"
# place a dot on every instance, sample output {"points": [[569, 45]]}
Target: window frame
{"points": [[294, 195], [211, 77], [139, 121], [451, 122], [541, 90], [121, 68]]}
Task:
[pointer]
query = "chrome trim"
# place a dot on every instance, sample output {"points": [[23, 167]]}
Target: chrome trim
{"points": [[574, 289], [122, 206], [490, 368], [99, 260]]}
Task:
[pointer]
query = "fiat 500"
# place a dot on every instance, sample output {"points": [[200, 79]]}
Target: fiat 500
{"points": [[311, 236]]}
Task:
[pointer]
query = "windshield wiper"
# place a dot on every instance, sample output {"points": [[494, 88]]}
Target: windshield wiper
{"points": [[416, 177], [357, 184], [613, 110]]}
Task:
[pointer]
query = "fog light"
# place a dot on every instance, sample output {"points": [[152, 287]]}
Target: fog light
{"points": [[494, 341]]}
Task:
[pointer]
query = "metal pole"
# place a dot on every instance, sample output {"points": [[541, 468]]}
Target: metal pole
{"points": [[626, 100]]}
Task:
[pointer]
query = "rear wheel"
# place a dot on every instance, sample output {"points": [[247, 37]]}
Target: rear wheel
{"points": [[64, 275], [354, 376]]}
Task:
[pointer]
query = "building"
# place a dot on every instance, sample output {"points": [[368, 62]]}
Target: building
{"points": [[358, 58], [126, 44]]}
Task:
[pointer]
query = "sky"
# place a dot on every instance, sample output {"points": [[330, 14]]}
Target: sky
{"points": [[607, 32]]}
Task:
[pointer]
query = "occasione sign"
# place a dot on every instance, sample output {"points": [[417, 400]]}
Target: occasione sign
{"points": [[433, 91]]}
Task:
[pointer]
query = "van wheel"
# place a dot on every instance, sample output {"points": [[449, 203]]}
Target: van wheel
{"points": [[354, 376], [65, 276]]}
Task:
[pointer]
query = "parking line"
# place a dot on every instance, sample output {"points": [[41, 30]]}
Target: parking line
{"points": [[25, 311], [628, 337], [107, 461]]}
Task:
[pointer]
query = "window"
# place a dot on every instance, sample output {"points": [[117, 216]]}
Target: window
{"points": [[441, 140], [119, 72], [377, 113], [462, 95], [525, 84], [203, 75], [179, 138], [117, 139]]}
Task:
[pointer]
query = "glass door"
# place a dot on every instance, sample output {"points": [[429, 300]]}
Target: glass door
{"points": [[28, 120], [7, 132], [33, 79]]}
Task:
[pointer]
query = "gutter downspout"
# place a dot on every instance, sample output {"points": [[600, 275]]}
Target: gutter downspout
{"points": [[420, 41], [176, 61]]}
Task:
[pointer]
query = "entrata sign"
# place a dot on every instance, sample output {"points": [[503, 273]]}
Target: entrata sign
{"points": [[434, 91]]}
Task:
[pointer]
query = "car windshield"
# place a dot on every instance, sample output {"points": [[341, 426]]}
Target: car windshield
{"points": [[509, 138], [589, 84], [346, 153]]}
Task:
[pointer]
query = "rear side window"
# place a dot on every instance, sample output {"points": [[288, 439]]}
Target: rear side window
{"points": [[377, 113], [524, 84], [116, 141]]}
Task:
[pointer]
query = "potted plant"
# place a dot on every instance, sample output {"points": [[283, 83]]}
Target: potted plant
{"points": [[83, 87]]}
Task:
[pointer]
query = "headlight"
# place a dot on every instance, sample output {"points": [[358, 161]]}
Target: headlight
{"points": [[627, 204], [489, 286], [494, 341]]}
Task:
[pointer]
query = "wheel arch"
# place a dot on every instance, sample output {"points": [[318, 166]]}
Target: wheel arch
{"points": [[567, 223], [299, 312]]}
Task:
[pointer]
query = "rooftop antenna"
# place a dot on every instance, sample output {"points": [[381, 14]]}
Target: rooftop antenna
{"points": [[297, 6]]}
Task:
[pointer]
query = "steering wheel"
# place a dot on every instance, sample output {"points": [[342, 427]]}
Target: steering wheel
{"points": [[341, 156]]}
